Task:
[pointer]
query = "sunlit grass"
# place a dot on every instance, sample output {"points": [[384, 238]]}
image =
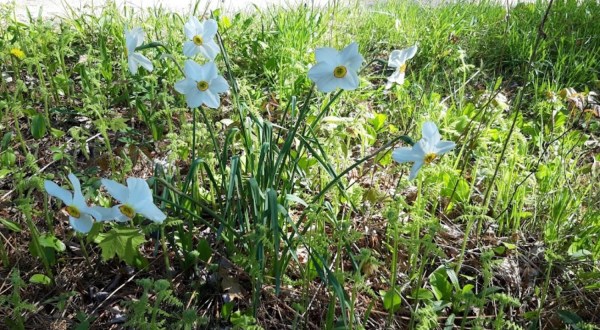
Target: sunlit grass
{"points": [[284, 205]]}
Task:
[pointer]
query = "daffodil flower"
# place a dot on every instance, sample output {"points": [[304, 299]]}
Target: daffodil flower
{"points": [[425, 151], [80, 214], [200, 38], [135, 198], [201, 85], [133, 39], [336, 68], [398, 60]]}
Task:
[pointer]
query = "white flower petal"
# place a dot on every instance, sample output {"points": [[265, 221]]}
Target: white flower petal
{"points": [[397, 77], [327, 84], [326, 54], [152, 212], [190, 27], [407, 154], [194, 99], [130, 40], [395, 59], [410, 52], [414, 170], [210, 29], [320, 71], [349, 82], [190, 49], [185, 86], [399, 57], [139, 192], [322, 75], [430, 133], [211, 49], [444, 146], [193, 70], [211, 99], [132, 64], [116, 190], [424, 146], [54, 190], [139, 36], [218, 85], [210, 71], [350, 57], [83, 224], [143, 61], [102, 213]]}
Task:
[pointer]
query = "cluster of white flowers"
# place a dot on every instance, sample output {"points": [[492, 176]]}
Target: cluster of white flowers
{"points": [[334, 69], [135, 198], [203, 84], [339, 69]]}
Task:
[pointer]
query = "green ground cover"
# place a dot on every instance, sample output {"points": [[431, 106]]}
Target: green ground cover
{"points": [[284, 206]]}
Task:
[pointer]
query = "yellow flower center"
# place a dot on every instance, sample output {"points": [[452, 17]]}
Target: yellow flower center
{"points": [[73, 211], [340, 71], [402, 68], [202, 85], [197, 40], [429, 157], [16, 52], [127, 211]]}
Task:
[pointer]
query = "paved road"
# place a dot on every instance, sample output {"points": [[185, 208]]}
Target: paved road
{"points": [[51, 8]]}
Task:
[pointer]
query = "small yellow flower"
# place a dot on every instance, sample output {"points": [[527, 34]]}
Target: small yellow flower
{"points": [[18, 53]]}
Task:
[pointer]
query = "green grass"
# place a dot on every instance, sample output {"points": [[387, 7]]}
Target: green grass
{"points": [[292, 212]]}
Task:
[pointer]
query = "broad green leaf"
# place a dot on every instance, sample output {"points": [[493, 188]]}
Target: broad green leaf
{"points": [[391, 300], [204, 250], [5, 141], [50, 241], [569, 317], [441, 287], [378, 121], [8, 158], [121, 242], [38, 126], [422, 294], [40, 279]]}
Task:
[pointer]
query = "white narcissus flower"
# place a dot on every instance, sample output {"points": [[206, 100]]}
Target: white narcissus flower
{"points": [[202, 84], [133, 39], [135, 198], [398, 60], [336, 69], [425, 151], [80, 214], [200, 38]]}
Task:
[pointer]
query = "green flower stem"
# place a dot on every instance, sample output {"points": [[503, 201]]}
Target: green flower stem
{"points": [[163, 242], [84, 250], [215, 145]]}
